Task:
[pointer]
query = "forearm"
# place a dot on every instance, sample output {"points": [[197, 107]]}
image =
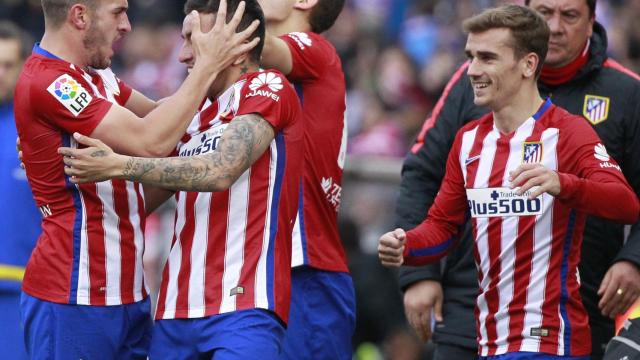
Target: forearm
{"points": [[163, 127], [276, 54], [429, 242], [612, 200]]}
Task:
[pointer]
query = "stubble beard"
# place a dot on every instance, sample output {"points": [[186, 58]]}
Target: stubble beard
{"points": [[93, 42]]}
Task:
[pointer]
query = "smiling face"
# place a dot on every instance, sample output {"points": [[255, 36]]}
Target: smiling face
{"points": [[495, 72], [109, 22], [571, 24]]}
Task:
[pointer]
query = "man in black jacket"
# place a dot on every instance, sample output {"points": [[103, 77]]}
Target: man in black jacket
{"points": [[579, 77]]}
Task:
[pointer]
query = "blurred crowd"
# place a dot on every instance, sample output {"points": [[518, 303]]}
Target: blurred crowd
{"points": [[398, 56]]}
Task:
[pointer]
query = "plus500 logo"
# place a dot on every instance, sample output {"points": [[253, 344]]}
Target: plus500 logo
{"points": [[204, 143], [501, 202]]}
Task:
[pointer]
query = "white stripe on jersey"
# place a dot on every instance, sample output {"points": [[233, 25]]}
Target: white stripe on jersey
{"points": [[198, 255], [482, 226], [297, 256], [174, 262], [84, 282], [261, 291], [235, 240], [508, 246], [138, 236], [467, 142], [110, 222]]}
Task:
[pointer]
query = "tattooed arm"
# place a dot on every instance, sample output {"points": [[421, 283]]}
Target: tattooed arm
{"points": [[244, 140]]}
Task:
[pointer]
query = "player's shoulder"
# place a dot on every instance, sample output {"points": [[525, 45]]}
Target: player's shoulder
{"points": [[267, 82], [307, 39], [560, 118]]}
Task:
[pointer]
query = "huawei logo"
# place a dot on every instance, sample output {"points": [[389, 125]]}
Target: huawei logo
{"points": [[601, 153], [301, 38], [273, 81]]}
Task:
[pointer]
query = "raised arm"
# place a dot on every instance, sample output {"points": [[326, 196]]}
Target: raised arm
{"points": [[157, 133], [276, 54], [244, 140]]}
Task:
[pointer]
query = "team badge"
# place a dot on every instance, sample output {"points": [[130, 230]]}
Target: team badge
{"points": [[70, 94], [596, 108], [531, 152]]}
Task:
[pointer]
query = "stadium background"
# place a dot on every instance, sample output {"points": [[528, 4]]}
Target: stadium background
{"points": [[397, 56]]}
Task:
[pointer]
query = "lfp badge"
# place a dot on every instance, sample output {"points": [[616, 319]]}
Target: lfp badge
{"points": [[70, 94], [596, 108], [531, 152]]}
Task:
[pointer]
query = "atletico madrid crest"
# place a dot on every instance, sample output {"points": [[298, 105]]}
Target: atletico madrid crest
{"points": [[596, 108], [531, 152]]}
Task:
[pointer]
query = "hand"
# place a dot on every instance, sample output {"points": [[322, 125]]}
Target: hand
{"points": [[391, 248], [96, 162], [420, 299], [19, 151], [221, 46], [619, 289], [527, 176]]}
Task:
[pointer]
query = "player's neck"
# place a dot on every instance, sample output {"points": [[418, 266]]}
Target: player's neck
{"points": [[296, 22], [524, 104], [229, 77], [60, 45]]}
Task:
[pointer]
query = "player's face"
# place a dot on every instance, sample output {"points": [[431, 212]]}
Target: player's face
{"points": [[495, 73], [276, 10], [109, 23], [187, 56], [571, 25], [10, 64]]}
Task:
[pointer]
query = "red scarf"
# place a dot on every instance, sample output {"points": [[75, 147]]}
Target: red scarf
{"points": [[557, 76]]}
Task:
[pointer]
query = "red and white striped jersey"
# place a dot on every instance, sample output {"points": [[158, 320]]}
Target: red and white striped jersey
{"points": [[319, 81], [231, 250], [90, 249], [526, 250]]}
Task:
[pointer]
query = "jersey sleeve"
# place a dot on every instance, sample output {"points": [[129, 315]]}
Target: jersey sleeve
{"points": [[125, 92], [594, 181], [272, 96], [436, 235], [310, 55], [65, 100]]}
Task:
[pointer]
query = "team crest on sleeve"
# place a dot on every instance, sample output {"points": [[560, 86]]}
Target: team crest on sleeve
{"points": [[302, 39], [70, 94], [596, 108], [266, 84], [531, 152]]}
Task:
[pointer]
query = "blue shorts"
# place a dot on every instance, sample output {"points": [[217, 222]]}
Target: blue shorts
{"points": [[245, 334], [11, 340], [61, 331], [522, 355], [322, 317]]}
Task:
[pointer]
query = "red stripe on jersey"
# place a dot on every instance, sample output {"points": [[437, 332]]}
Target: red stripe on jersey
{"points": [[219, 209], [609, 63], [257, 209], [127, 248], [206, 116], [431, 121], [550, 306], [495, 244], [186, 243], [95, 245]]}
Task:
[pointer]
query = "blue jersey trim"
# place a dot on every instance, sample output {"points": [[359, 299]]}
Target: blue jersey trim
{"points": [[545, 106], [275, 201], [77, 229], [40, 51], [564, 292]]}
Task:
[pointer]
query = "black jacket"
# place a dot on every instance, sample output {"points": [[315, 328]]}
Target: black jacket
{"points": [[603, 242]]}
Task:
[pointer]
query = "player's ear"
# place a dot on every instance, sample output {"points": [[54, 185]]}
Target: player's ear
{"points": [[530, 64], [305, 4], [241, 59], [78, 16]]}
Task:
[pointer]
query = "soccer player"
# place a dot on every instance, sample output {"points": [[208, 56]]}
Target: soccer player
{"points": [[322, 294], [527, 173], [83, 292], [225, 289], [580, 78], [20, 218]]}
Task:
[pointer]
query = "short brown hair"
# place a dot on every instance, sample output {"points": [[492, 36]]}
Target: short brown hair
{"points": [[529, 30], [252, 11], [324, 14], [55, 11]]}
